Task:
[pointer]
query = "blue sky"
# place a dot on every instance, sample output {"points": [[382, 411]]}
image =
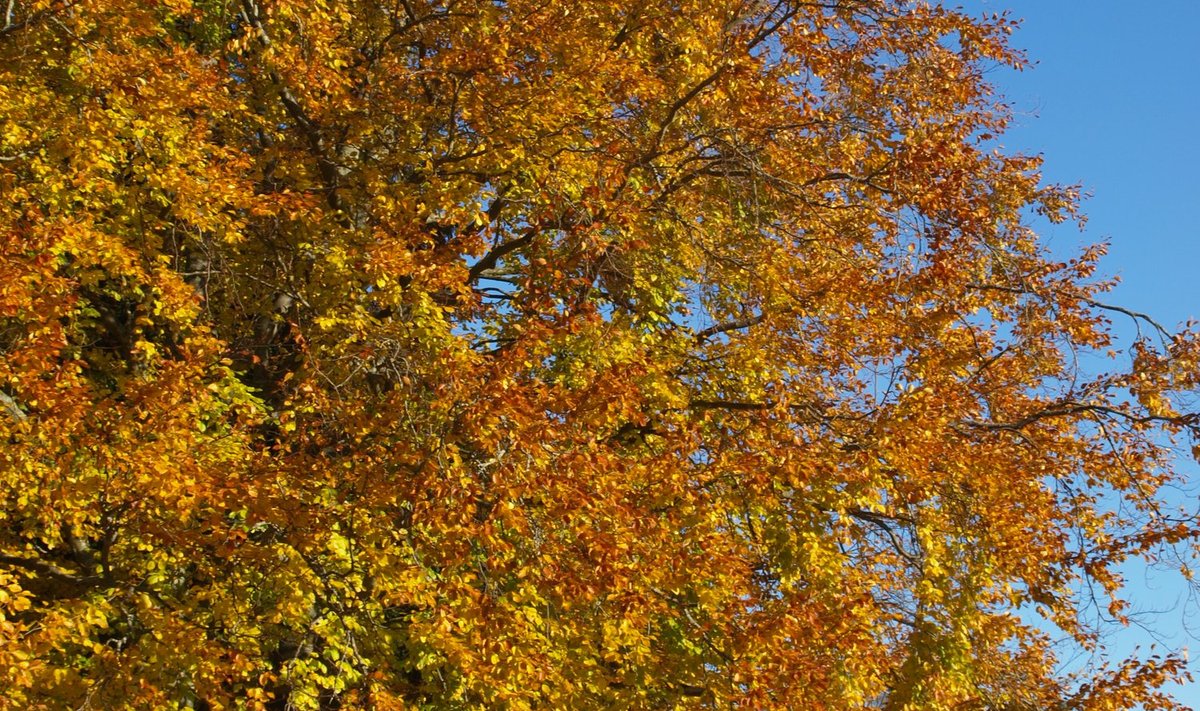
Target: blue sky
{"points": [[1114, 103]]}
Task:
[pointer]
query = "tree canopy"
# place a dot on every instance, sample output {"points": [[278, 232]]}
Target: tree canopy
{"points": [[515, 354]]}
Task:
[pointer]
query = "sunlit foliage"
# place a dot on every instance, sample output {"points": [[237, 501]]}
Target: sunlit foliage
{"points": [[519, 354]]}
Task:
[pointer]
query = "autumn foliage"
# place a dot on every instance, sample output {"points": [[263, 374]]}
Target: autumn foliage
{"points": [[571, 354]]}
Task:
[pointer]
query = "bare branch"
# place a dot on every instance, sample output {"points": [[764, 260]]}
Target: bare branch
{"points": [[882, 523], [729, 405], [488, 261], [10, 405], [1137, 316], [728, 326], [1070, 409], [10, 26]]}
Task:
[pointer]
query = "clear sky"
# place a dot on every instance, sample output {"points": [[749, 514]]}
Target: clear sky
{"points": [[1114, 103]]}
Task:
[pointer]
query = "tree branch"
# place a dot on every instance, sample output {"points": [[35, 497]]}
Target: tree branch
{"points": [[729, 405], [678, 106], [10, 405], [1135, 315], [1068, 409], [10, 27], [734, 325], [330, 175], [48, 570], [488, 261]]}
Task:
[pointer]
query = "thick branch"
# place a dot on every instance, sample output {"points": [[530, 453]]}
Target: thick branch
{"points": [[678, 106], [488, 261], [11, 407], [330, 175], [734, 325], [729, 405], [48, 570]]}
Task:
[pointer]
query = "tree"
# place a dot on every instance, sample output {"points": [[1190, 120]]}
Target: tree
{"points": [[525, 354]]}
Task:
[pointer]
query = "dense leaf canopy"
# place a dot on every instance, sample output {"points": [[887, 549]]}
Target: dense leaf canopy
{"points": [[514, 354]]}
